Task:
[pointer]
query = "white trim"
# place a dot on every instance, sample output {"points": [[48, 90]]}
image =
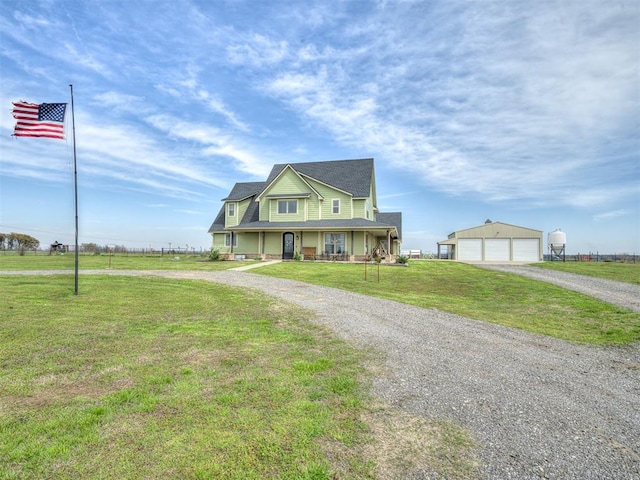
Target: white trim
{"points": [[286, 201], [227, 238], [300, 176], [332, 187]]}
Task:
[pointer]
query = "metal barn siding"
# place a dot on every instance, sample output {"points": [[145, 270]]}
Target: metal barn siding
{"points": [[495, 242]]}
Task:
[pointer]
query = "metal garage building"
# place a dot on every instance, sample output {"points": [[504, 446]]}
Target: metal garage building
{"points": [[494, 242]]}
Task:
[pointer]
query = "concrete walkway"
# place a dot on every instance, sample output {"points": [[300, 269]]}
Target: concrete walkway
{"points": [[255, 265]]}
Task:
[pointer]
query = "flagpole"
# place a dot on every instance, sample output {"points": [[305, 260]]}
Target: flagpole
{"points": [[75, 183]]}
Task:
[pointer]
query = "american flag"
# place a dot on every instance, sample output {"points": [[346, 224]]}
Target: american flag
{"points": [[39, 120]]}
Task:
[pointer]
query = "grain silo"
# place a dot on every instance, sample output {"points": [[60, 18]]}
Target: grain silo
{"points": [[557, 241]]}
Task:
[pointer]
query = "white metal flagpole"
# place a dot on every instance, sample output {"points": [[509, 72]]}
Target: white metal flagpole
{"points": [[75, 183]]}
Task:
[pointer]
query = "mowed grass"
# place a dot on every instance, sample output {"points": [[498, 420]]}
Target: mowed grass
{"points": [[477, 293], [169, 379], [157, 378], [30, 261], [620, 272]]}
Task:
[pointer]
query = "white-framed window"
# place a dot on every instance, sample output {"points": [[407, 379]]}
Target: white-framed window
{"points": [[231, 209], [334, 243], [227, 240], [287, 206], [335, 205], [366, 209]]}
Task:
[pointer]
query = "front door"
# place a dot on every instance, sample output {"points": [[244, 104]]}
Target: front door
{"points": [[287, 246]]}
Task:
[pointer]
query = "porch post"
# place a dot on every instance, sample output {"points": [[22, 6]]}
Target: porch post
{"points": [[351, 246], [389, 246]]}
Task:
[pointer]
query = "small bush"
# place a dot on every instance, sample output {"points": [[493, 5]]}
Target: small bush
{"points": [[214, 256], [403, 259]]}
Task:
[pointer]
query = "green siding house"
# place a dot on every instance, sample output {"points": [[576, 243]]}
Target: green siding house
{"points": [[317, 210]]}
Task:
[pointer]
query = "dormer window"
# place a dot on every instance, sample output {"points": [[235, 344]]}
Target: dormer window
{"points": [[231, 209], [287, 206], [335, 205]]}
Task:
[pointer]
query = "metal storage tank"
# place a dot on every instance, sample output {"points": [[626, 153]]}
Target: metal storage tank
{"points": [[557, 241]]}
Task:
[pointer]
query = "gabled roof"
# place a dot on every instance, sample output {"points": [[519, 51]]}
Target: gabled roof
{"points": [[244, 190], [218, 223], [351, 176], [282, 172], [354, 177], [391, 218], [489, 223]]}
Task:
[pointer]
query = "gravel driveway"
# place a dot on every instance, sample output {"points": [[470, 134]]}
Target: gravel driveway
{"points": [[622, 294], [539, 407]]}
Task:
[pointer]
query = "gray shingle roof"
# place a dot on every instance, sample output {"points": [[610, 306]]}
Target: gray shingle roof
{"points": [[352, 176], [316, 224], [218, 223], [244, 190], [391, 218]]}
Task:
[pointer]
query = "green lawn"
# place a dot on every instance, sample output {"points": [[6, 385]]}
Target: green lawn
{"points": [[187, 379], [156, 378], [473, 292], [30, 261], [621, 272]]}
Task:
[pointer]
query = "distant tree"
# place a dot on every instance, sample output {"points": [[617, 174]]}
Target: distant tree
{"points": [[20, 242], [90, 247]]}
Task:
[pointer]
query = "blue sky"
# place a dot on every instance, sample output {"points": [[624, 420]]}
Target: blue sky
{"points": [[522, 112]]}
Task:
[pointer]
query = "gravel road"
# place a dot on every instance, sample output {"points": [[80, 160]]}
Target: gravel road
{"points": [[539, 407]]}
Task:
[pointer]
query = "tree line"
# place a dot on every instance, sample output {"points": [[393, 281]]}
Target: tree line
{"points": [[18, 241]]}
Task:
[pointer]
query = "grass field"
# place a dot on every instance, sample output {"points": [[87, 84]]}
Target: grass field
{"points": [[12, 261], [185, 379], [156, 378], [620, 272], [473, 292]]}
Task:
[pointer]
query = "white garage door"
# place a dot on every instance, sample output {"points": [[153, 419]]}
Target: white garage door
{"points": [[526, 249], [470, 249], [497, 250]]}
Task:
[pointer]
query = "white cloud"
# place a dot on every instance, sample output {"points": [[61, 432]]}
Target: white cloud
{"points": [[257, 50], [215, 142], [611, 215], [509, 101]]}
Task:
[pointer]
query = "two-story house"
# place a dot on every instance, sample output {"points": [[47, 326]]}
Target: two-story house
{"points": [[318, 210]]}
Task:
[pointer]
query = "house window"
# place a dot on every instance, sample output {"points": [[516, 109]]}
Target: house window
{"points": [[335, 205], [227, 240], [287, 206], [232, 209], [334, 243], [366, 209]]}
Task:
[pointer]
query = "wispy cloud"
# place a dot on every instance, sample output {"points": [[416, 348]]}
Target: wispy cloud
{"points": [[215, 142], [511, 106], [600, 217], [257, 50]]}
